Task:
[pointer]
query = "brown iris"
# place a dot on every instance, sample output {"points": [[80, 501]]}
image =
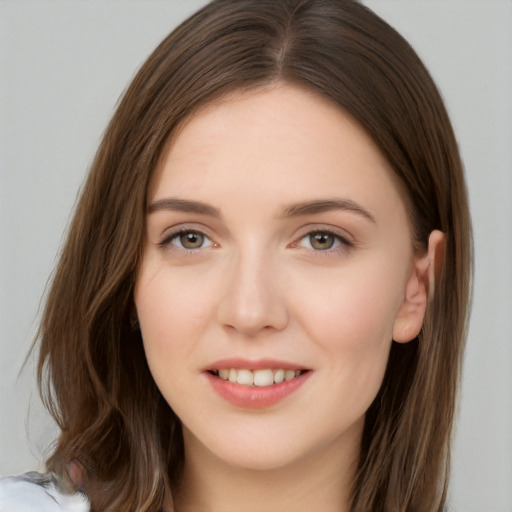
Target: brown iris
{"points": [[322, 241]]}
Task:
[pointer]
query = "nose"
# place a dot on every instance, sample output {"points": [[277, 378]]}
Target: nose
{"points": [[252, 301]]}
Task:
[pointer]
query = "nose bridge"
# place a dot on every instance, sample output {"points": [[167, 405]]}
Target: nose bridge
{"points": [[252, 299]]}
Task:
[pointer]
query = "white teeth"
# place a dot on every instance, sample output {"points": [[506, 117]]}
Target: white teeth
{"points": [[245, 377], [289, 375], [279, 376], [263, 378], [259, 378]]}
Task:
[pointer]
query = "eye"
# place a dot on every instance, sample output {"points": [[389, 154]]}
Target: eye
{"points": [[323, 241], [187, 240]]}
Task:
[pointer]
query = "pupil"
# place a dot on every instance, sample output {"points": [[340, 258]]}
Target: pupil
{"points": [[322, 241], [191, 240]]}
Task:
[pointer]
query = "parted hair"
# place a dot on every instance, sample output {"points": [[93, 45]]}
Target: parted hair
{"points": [[92, 370]]}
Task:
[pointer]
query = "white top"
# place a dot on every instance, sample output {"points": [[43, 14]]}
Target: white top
{"points": [[36, 492]]}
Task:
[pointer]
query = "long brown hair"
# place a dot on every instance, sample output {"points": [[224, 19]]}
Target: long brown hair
{"points": [[92, 369]]}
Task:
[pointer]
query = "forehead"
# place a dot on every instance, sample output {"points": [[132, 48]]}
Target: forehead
{"points": [[282, 142]]}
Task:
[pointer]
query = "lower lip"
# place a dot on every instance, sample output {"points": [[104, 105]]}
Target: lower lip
{"points": [[255, 397]]}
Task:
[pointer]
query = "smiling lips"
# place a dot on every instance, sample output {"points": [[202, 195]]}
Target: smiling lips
{"points": [[261, 378], [262, 386]]}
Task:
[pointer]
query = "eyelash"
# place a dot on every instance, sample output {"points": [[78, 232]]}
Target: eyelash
{"points": [[167, 242], [342, 243]]}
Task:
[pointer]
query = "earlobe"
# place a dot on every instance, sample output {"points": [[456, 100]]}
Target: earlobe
{"points": [[419, 290]]}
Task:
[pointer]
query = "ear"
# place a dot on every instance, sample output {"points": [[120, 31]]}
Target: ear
{"points": [[419, 290]]}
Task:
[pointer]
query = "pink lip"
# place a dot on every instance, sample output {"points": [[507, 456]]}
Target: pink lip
{"points": [[254, 397], [260, 364]]}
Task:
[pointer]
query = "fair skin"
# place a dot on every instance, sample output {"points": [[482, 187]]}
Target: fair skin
{"points": [[276, 240]]}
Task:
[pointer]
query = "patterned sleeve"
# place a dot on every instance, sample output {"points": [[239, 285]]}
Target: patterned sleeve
{"points": [[36, 492]]}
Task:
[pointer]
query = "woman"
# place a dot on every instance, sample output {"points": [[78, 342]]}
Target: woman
{"points": [[264, 289]]}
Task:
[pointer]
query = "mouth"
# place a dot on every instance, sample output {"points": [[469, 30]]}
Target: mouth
{"points": [[256, 378], [256, 384]]}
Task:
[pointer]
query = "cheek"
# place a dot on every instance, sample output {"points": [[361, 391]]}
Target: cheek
{"points": [[354, 308], [351, 321], [172, 311]]}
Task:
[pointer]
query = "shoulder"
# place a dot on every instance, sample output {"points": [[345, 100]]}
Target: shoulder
{"points": [[36, 492]]}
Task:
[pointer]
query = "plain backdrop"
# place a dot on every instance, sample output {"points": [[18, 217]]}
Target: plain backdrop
{"points": [[64, 64]]}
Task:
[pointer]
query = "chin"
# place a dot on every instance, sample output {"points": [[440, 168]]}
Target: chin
{"points": [[273, 448]]}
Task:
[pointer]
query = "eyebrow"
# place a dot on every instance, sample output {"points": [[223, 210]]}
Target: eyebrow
{"points": [[184, 205], [327, 205], [295, 210]]}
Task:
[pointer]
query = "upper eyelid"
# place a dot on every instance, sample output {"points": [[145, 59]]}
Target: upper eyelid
{"points": [[325, 228], [181, 227], [171, 231], [343, 240], [166, 239]]}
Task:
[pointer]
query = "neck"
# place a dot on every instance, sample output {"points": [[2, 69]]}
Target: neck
{"points": [[322, 481]]}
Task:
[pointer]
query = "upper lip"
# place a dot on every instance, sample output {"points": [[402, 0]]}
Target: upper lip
{"points": [[254, 364]]}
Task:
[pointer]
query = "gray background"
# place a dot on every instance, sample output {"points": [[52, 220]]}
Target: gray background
{"points": [[64, 64]]}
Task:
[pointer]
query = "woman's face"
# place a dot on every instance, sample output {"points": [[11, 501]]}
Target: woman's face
{"points": [[275, 274]]}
